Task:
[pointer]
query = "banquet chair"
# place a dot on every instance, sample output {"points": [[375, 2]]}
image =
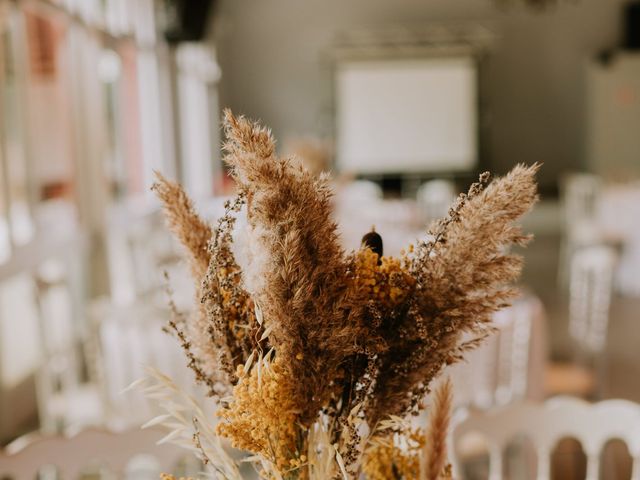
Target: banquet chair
{"points": [[434, 199], [127, 327], [590, 289], [580, 193], [92, 453], [618, 214], [515, 323], [505, 368], [151, 249], [67, 390], [128, 340], [361, 191], [591, 286], [139, 248], [545, 425]]}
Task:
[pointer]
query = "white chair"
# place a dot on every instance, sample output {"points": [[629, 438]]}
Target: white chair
{"points": [[122, 335], [43, 285], [590, 289], [516, 325], [68, 392], [593, 425], [52, 282], [498, 372], [127, 327], [139, 248], [361, 191], [580, 194], [434, 199], [131, 454], [128, 339]]}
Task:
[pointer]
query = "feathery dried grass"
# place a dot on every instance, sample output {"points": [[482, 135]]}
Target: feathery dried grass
{"points": [[356, 339], [220, 335], [463, 276], [194, 234], [228, 308], [434, 452], [313, 322], [190, 229], [187, 424]]}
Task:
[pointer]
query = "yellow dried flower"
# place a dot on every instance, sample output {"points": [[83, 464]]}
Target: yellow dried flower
{"points": [[384, 280], [262, 417], [386, 459]]}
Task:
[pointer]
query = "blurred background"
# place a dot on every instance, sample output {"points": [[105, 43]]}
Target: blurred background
{"points": [[404, 102]]}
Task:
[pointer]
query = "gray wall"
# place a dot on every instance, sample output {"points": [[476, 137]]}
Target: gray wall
{"points": [[270, 55]]}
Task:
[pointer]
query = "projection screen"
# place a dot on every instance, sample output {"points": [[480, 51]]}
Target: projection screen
{"points": [[406, 116]]}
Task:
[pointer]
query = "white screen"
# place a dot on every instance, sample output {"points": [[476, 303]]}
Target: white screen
{"points": [[396, 116]]}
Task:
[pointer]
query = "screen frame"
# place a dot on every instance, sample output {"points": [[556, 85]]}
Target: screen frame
{"points": [[393, 52]]}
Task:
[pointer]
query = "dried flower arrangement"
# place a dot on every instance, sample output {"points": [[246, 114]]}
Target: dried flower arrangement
{"points": [[316, 358]]}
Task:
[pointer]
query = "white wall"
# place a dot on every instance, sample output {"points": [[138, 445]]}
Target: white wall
{"points": [[270, 58]]}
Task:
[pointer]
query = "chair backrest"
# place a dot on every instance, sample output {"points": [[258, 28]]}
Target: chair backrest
{"points": [[45, 288], [434, 199], [515, 325], [590, 287], [361, 191], [123, 454], [580, 193], [497, 372], [130, 338], [61, 333], [545, 424], [139, 247]]}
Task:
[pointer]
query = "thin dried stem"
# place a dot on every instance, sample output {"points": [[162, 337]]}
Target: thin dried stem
{"points": [[190, 229], [434, 452]]}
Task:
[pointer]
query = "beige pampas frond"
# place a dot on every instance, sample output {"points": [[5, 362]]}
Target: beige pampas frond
{"points": [[303, 295], [463, 275], [191, 230], [212, 346], [434, 451], [246, 137], [194, 234]]}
